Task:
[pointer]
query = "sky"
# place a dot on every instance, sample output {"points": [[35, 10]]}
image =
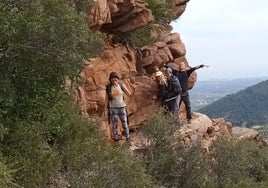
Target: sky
{"points": [[231, 36]]}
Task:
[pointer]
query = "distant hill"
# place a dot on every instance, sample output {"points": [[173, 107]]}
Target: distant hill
{"points": [[208, 91], [246, 107]]}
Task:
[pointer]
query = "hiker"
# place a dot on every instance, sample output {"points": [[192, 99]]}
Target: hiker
{"points": [[162, 87], [183, 74], [116, 105], [172, 94]]}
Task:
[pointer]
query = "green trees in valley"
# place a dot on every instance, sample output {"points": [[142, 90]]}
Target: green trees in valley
{"points": [[246, 107]]}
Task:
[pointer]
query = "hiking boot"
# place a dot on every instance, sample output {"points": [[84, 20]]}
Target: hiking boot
{"points": [[125, 135], [128, 138], [116, 138]]}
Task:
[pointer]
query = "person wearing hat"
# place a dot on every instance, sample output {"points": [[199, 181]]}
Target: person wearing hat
{"points": [[116, 105], [183, 74], [172, 94], [162, 86]]}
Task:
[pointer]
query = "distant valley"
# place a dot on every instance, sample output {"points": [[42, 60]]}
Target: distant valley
{"points": [[209, 91], [247, 107]]}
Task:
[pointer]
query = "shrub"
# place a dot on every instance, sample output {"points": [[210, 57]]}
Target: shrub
{"points": [[27, 152], [42, 43], [239, 162], [91, 163], [170, 163], [112, 167], [6, 175], [136, 38], [86, 158], [161, 10]]}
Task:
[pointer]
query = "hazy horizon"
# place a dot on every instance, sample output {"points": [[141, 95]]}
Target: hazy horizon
{"points": [[261, 78], [230, 36]]}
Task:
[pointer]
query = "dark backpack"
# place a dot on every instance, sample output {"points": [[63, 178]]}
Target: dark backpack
{"points": [[176, 86], [176, 73], [173, 87]]}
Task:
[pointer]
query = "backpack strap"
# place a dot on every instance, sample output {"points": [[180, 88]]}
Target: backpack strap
{"points": [[109, 91]]}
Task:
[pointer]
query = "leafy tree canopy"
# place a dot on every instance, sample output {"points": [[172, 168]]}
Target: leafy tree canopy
{"points": [[41, 44]]}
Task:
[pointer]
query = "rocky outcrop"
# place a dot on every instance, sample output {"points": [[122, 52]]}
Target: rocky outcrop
{"points": [[247, 133], [169, 51], [124, 60], [91, 95], [202, 130], [119, 16], [136, 66], [205, 130]]}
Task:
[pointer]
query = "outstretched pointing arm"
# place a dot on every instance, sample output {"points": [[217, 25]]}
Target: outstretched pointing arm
{"points": [[201, 66]]}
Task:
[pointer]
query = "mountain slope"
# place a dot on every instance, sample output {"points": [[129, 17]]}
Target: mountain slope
{"points": [[246, 107], [208, 91]]}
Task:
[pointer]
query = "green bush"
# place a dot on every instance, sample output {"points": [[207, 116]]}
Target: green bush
{"points": [[92, 163], [231, 163], [42, 43], [110, 167], [87, 159], [6, 175], [169, 162], [136, 38], [239, 162], [161, 10], [27, 152]]}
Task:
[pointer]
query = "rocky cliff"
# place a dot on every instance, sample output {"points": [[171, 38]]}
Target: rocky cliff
{"points": [[136, 65]]}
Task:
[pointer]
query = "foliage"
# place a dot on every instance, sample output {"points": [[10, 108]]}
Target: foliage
{"points": [[169, 162], [66, 142], [41, 44], [231, 163], [239, 162], [26, 151], [6, 175], [137, 38], [110, 167], [81, 5], [161, 10], [88, 160], [44, 43], [246, 107]]}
